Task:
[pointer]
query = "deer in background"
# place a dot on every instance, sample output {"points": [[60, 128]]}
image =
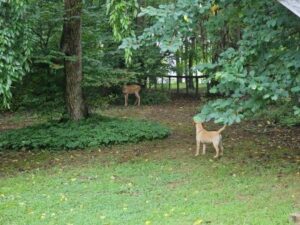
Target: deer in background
{"points": [[132, 89]]}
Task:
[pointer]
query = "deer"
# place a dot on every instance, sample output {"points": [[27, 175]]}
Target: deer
{"points": [[132, 89]]}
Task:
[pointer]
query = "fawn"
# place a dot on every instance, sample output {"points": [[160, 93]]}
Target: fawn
{"points": [[132, 89]]}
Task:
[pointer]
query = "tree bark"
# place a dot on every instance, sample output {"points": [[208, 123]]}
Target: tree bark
{"points": [[178, 63], [186, 58], [71, 46], [191, 62]]}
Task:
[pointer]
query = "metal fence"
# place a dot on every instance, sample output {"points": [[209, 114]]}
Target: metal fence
{"points": [[177, 84]]}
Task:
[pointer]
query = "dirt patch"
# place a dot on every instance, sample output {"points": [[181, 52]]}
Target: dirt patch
{"points": [[181, 143]]}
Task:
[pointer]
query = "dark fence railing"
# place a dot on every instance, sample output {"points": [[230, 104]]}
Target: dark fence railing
{"points": [[191, 84]]}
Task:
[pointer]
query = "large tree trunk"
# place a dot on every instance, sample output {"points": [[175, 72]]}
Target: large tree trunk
{"points": [[71, 46]]}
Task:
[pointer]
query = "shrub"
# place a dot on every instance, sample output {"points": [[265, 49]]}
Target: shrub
{"points": [[92, 132], [155, 97], [148, 97], [281, 113]]}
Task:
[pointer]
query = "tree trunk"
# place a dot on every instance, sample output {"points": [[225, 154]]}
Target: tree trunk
{"points": [[186, 60], [178, 63], [181, 60], [191, 61], [71, 46]]}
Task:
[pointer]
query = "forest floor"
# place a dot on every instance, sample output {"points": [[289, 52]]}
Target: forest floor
{"points": [[257, 181]]}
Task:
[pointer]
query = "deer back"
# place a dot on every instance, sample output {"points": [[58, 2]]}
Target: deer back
{"points": [[131, 88]]}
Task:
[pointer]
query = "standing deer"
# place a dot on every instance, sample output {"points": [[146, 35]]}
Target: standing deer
{"points": [[132, 89]]}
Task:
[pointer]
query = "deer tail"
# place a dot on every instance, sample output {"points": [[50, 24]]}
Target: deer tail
{"points": [[223, 128]]}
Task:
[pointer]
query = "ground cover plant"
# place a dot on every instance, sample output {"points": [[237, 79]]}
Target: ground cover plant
{"points": [[158, 182], [94, 131], [68, 60]]}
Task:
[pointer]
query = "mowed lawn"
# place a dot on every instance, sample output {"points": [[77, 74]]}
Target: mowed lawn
{"points": [[159, 182]]}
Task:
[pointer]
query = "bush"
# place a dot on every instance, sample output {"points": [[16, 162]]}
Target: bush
{"points": [[148, 97], [281, 113], [92, 132], [155, 97]]}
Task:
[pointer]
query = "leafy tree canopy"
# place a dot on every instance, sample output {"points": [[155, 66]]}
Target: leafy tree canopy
{"points": [[14, 45], [252, 45]]}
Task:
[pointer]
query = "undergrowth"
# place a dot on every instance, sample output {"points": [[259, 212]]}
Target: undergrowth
{"points": [[92, 132], [281, 113], [148, 97]]}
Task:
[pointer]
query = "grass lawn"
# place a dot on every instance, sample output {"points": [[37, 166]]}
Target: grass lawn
{"points": [[182, 87], [159, 182]]}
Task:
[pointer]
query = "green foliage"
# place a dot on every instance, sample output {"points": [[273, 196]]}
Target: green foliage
{"points": [[252, 48], [121, 18], [44, 17], [98, 97], [173, 23], [261, 70], [148, 97], [280, 113], [108, 78], [14, 46], [92, 132], [38, 92]]}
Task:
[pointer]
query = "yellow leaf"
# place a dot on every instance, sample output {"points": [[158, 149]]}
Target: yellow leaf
{"points": [[186, 18], [43, 216], [214, 9], [197, 222], [147, 222]]}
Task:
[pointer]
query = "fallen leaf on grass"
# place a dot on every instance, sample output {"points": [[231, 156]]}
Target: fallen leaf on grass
{"points": [[197, 222], [43, 216], [63, 198]]}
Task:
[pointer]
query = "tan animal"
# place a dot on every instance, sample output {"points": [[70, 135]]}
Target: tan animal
{"points": [[296, 218], [205, 137], [132, 89]]}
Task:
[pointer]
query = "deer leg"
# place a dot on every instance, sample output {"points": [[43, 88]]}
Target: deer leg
{"points": [[138, 98], [126, 99]]}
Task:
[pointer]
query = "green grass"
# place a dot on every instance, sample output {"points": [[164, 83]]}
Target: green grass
{"points": [[154, 191], [256, 182], [182, 87]]}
